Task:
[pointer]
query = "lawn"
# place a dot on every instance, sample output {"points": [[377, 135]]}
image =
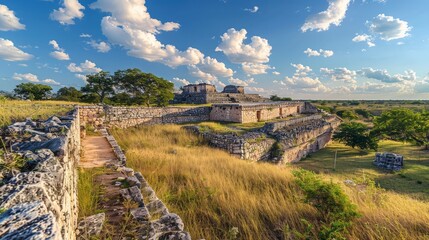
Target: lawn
{"points": [[412, 180]]}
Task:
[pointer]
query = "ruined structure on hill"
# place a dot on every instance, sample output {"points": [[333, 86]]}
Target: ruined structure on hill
{"points": [[389, 161], [206, 93]]}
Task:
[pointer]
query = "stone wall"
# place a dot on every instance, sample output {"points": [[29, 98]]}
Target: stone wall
{"points": [[295, 138], [124, 117], [40, 201], [213, 97]]}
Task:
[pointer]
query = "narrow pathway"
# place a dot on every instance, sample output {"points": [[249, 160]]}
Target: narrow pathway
{"points": [[98, 153]]}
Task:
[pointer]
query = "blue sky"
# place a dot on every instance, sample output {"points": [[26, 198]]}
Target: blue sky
{"points": [[327, 49]]}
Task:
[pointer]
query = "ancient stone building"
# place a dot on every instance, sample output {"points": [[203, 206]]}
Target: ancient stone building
{"points": [[389, 161], [258, 112], [199, 88], [233, 89], [206, 93]]}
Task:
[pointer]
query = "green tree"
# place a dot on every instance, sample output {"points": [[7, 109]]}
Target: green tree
{"points": [[404, 125], [355, 134], [347, 114], [69, 94], [277, 98], [144, 88], [32, 91], [100, 84]]}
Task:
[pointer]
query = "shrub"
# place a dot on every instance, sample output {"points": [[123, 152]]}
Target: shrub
{"points": [[332, 203]]}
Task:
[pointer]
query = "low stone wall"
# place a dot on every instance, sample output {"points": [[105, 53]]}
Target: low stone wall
{"points": [[124, 117], [295, 139], [271, 127], [40, 202], [167, 225]]}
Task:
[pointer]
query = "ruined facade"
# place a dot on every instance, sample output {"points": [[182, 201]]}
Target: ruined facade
{"points": [[258, 112], [389, 161], [206, 93]]}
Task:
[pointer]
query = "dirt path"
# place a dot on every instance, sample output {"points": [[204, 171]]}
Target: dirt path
{"points": [[97, 152]]}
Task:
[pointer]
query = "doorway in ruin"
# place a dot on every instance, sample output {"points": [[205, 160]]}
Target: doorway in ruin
{"points": [[258, 115], [298, 109], [281, 112]]}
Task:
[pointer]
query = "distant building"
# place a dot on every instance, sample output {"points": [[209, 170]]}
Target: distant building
{"points": [[199, 88], [233, 89], [206, 93], [259, 112]]}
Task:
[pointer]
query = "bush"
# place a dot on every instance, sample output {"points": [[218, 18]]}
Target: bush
{"points": [[364, 113], [333, 204]]}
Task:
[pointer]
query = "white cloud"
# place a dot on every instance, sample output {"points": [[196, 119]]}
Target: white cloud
{"points": [[11, 53], [81, 76], [334, 15], [85, 67], [182, 81], [33, 78], [258, 51], [256, 89], [102, 47], [389, 28], [302, 82], [239, 82], [8, 20], [59, 54], [255, 54], [314, 53], [255, 68], [212, 66], [384, 76], [131, 27], [85, 35], [364, 38], [340, 74], [205, 77], [252, 10], [50, 81], [65, 15], [276, 73]]}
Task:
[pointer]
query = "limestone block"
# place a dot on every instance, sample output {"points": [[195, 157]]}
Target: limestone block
{"points": [[91, 226]]}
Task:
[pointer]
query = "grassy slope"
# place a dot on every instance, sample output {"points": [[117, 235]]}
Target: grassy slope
{"points": [[412, 180], [11, 111], [214, 192]]}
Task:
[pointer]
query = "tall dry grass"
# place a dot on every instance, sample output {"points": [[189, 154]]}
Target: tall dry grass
{"points": [[214, 192], [15, 110]]}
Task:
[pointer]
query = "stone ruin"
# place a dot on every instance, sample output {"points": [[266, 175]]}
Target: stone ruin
{"points": [[39, 200], [389, 161]]}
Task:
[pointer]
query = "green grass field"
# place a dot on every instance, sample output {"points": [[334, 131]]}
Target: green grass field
{"points": [[412, 180]]}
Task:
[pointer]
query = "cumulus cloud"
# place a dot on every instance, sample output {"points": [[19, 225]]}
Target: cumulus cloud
{"points": [[59, 53], [255, 90], [276, 73], [65, 15], [131, 26], [252, 10], [8, 20], [384, 76], [85, 67], [334, 15], [340, 75], [239, 82], [213, 67], [389, 28], [182, 81], [102, 47], [252, 56], [301, 81], [33, 78], [364, 38], [314, 53], [11, 53], [81, 77], [203, 76]]}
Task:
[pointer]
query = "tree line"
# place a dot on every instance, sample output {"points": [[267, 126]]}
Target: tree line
{"points": [[400, 124], [124, 87]]}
